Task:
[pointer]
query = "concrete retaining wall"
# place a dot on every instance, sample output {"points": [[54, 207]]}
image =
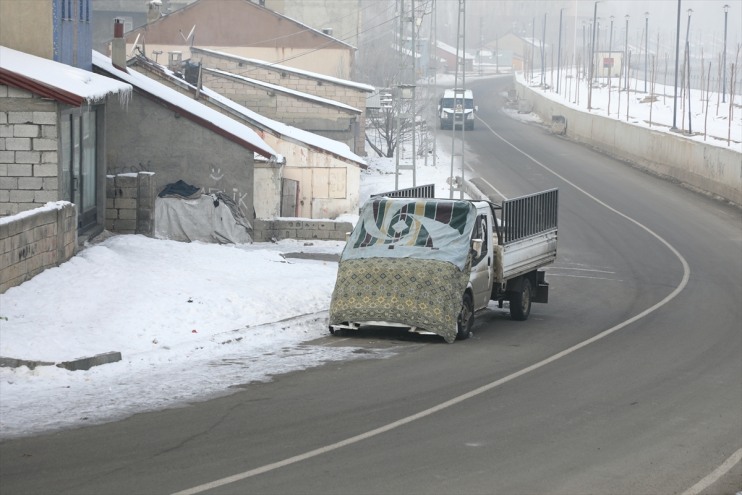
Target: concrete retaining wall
{"points": [[712, 169], [35, 240]]}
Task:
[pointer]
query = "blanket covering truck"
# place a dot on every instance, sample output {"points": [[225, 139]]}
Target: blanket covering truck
{"points": [[430, 264]]}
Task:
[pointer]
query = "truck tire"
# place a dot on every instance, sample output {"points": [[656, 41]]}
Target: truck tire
{"points": [[466, 318], [520, 301]]}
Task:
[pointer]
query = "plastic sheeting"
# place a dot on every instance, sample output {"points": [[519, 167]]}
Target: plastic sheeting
{"points": [[208, 218]]}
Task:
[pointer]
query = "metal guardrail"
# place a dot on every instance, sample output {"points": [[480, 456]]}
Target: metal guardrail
{"points": [[530, 215], [426, 191]]}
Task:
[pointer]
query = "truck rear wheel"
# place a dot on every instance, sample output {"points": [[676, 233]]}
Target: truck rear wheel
{"points": [[520, 301], [466, 318]]}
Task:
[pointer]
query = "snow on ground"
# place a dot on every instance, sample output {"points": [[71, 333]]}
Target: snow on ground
{"points": [[192, 320]]}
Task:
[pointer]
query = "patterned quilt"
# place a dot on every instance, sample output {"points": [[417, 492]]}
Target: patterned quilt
{"points": [[422, 293]]}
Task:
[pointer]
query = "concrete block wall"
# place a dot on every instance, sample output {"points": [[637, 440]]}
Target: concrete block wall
{"points": [[35, 240], [269, 103], [28, 151], [130, 203], [348, 95], [716, 170], [300, 229]]}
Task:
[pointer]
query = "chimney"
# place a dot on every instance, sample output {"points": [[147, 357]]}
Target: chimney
{"points": [[155, 10], [174, 61], [118, 46]]}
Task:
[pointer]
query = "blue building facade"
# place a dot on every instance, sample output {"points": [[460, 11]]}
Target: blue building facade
{"points": [[72, 37]]}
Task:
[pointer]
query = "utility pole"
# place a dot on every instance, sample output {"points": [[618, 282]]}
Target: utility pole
{"points": [[677, 55], [592, 47], [459, 93], [406, 89]]}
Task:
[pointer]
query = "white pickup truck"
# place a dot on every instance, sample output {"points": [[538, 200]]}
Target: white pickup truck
{"points": [[430, 264]]}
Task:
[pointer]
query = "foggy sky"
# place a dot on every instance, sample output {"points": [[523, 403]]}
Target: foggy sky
{"points": [[484, 18]]}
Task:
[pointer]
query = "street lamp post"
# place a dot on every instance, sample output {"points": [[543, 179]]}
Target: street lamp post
{"points": [[543, 43], [626, 53], [559, 48], [687, 64], [584, 47], [610, 56], [724, 58], [592, 47], [646, 47]]}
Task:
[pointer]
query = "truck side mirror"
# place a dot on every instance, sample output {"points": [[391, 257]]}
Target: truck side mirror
{"points": [[476, 108]]}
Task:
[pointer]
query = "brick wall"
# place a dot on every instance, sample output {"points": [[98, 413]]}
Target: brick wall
{"points": [[28, 152], [301, 229], [130, 203], [35, 240]]}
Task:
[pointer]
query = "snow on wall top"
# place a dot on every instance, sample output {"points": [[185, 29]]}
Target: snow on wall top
{"points": [[285, 68]]}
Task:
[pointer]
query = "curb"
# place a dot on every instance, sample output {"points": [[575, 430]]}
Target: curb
{"points": [[79, 364]]}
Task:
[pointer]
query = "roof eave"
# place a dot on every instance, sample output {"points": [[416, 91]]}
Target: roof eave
{"points": [[44, 90]]}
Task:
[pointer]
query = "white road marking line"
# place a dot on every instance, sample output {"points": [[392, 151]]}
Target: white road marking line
{"points": [[715, 475]]}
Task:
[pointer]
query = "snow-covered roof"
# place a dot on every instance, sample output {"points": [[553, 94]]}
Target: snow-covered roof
{"points": [[55, 80], [310, 139], [284, 68], [452, 50], [190, 108], [282, 89]]}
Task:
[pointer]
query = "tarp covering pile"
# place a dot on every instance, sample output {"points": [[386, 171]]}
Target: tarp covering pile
{"points": [[184, 213], [406, 262]]}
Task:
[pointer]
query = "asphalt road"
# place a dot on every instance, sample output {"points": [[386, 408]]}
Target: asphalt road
{"points": [[628, 382]]}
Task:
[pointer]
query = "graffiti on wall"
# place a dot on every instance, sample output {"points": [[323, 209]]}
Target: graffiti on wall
{"points": [[238, 197]]}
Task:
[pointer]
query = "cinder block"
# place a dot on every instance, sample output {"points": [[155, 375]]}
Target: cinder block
{"points": [[19, 196], [8, 183], [18, 144], [7, 157], [32, 157], [45, 196], [26, 130], [20, 169], [50, 183], [42, 144], [49, 132], [34, 183], [44, 118], [45, 170], [20, 117], [127, 214], [122, 203], [49, 157]]}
